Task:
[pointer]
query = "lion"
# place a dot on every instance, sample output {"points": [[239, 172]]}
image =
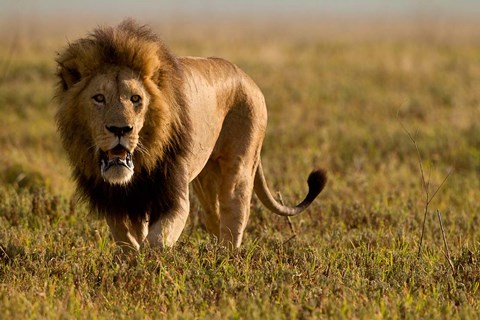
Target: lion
{"points": [[139, 125]]}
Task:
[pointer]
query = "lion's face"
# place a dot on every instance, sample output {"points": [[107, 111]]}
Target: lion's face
{"points": [[114, 105]]}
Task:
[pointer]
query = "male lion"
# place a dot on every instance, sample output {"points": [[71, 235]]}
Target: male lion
{"points": [[139, 124]]}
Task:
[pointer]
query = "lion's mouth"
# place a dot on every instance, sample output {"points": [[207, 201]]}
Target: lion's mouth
{"points": [[118, 156]]}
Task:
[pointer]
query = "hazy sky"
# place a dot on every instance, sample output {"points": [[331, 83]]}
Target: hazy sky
{"points": [[207, 8]]}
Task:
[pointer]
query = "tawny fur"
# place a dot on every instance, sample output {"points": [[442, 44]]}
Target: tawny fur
{"points": [[201, 120]]}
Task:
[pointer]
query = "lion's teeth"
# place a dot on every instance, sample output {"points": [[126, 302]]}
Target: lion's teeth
{"points": [[116, 157]]}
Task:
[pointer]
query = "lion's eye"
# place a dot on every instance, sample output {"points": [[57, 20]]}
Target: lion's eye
{"points": [[99, 98], [135, 98]]}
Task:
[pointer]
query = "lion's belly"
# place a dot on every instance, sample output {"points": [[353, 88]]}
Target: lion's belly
{"points": [[206, 119]]}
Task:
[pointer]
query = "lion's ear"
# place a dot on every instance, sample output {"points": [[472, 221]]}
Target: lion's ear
{"points": [[69, 74], [156, 76]]}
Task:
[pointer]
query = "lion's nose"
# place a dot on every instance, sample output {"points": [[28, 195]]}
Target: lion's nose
{"points": [[119, 131]]}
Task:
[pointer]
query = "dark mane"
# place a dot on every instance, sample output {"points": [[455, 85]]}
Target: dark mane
{"points": [[148, 195]]}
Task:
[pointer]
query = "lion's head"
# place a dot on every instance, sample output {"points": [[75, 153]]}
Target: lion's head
{"points": [[119, 103]]}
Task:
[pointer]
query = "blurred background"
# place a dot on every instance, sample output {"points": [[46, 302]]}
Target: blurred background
{"points": [[282, 14], [208, 9]]}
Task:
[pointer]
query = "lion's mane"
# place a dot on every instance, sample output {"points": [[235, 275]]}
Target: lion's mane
{"points": [[164, 137]]}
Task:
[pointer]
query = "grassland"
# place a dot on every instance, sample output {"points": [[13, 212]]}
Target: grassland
{"points": [[336, 100]]}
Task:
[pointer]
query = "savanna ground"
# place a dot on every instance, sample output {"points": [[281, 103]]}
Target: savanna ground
{"points": [[339, 99]]}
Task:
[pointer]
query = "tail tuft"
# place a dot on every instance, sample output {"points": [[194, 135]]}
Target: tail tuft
{"points": [[316, 182]]}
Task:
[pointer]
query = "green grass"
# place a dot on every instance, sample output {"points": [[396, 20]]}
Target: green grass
{"points": [[334, 102]]}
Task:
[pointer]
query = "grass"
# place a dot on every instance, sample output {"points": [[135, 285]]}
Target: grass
{"points": [[334, 101]]}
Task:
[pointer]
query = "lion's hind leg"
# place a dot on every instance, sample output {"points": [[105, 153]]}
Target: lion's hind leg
{"points": [[206, 187], [224, 188], [235, 197]]}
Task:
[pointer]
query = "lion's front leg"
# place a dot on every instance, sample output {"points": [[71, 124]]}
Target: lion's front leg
{"points": [[128, 234], [167, 229]]}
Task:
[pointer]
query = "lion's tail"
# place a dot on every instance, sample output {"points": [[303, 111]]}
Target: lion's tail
{"points": [[316, 182]]}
